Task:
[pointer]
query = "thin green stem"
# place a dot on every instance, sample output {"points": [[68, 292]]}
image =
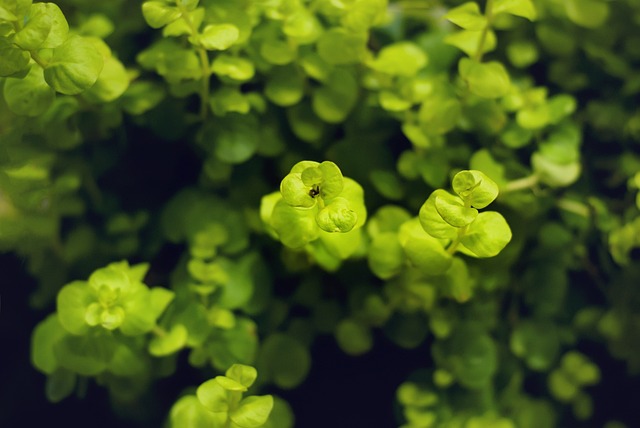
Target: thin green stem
{"points": [[204, 61], [488, 13], [159, 331], [521, 184]]}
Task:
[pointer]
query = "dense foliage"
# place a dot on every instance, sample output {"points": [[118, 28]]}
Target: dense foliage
{"points": [[171, 174]]}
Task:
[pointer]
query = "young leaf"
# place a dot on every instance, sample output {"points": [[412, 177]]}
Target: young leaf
{"points": [[74, 66], [188, 411], [400, 59], [475, 188], [46, 27], [467, 16], [523, 8], [337, 216], [252, 412], [425, 252], [243, 374], [169, 343], [453, 211], [431, 220], [72, 303], [468, 41], [487, 235], [158, 13], [213, 396], [219, 36]]}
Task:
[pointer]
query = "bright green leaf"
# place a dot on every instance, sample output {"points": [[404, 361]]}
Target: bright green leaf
{"points": [[243, 374], [213, 396], [29, 96], [252, 412], [487, 235], [74, 67], [423, 250], [467, 16], [523, 8], [12, 58], [485, 79], [453, 211], [475, 188], [219, 36], [170, 342], [159, 13], [400, 59]]}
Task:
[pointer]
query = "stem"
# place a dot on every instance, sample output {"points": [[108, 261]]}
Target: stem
{"points": [[204, 61], [574, 207], [521, 184], [159, 331], [488, 13]]}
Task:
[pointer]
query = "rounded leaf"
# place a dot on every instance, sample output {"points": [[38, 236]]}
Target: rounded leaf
{"points": [[219, 36], [243, 374], [29, 96], [12, 58], [453, 211], [72, 303], [283, 360], [169, 343], [487, 235], [46, 334], [213, 396], [485, 79], [475, 187], [159, 13], [189, 412], [74, 66], [295, 192], [431, 220], [423, 250], [337, 216]]}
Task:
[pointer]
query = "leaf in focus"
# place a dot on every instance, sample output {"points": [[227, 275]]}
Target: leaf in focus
{"points": [[485, 79], [453, 211], [12, 58], [159, 13], [431, 220], [252, 412], [487, 235], [29, 96], [423, 250], [219, 36], [74, 67], [46, 27], [213, 396], [337, 216], [475, 188]]}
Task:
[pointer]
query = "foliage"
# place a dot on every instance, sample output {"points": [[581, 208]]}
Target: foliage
{"points": [[130, 131]]}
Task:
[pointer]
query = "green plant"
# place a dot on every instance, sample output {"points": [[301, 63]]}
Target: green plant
{"points": [[141, 144]]}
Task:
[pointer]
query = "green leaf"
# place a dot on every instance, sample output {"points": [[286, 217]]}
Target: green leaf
{"points": [[285, 85], [475, 188], [295, 192], [234, 67], [587, 13], [30, 96], [252, 412], [72, 303], [339, 47], [400, 59], [127, 361], [425, 252], [554, 174], [277, 52], [281, 415], [538, 343], [523, 8], [60, 384], [295, 227], [158, 13], [111, 84], [74, 66], [46, 334], [431, 220], [238, 139], [337, 216], [45, 27], [243, 374], [219, 36], [283, 360], [467, 16], [12, 59], [188, 411], [386, 257], [353, 337], [333, 101], [485, 79], [332, 183], [230, 384], [213, 396], [468, 41], [87, 355], [169, 343], [487, 235], [453, 211]]}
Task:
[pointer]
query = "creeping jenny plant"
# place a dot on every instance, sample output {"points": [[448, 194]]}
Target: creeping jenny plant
{"points": [[210, 186]]}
